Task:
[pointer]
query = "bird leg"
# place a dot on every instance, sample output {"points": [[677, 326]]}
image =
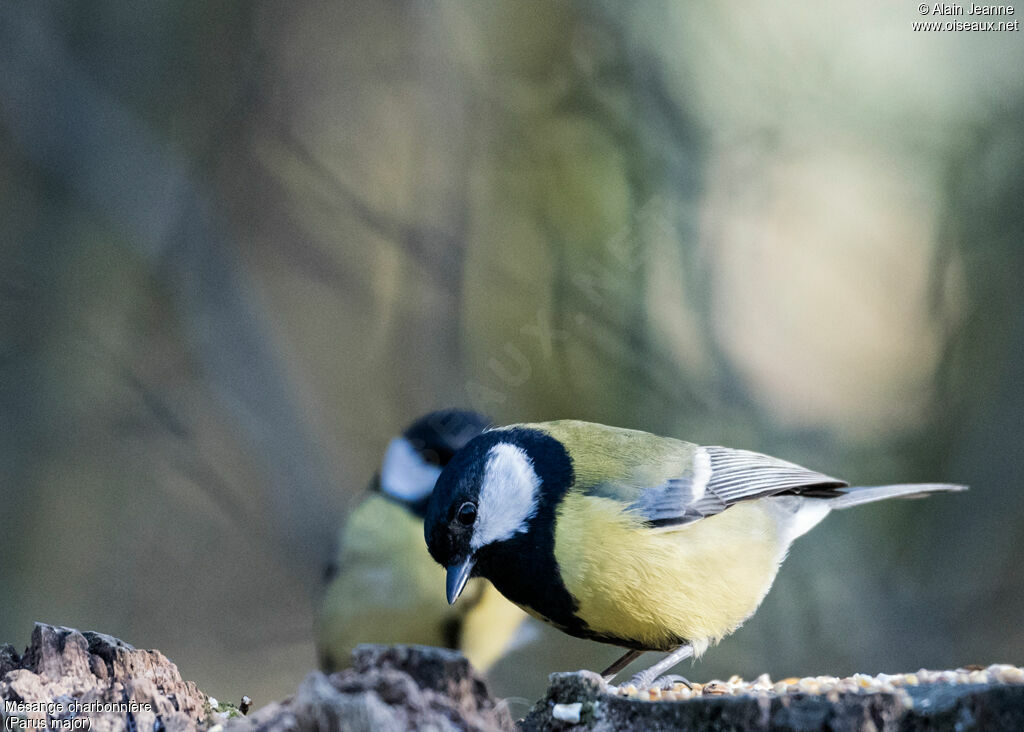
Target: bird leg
{"points": [[649, 677], [627, 658]]}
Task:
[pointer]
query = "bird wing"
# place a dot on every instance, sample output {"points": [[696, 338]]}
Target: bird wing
{"points": [[720, 477], [673, 483]]}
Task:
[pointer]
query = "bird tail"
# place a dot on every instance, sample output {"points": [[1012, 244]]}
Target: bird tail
{"points": [[857, 495]]}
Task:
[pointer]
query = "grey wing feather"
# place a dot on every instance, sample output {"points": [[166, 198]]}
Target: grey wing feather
{"points": [[728, 477], [676, 502]]}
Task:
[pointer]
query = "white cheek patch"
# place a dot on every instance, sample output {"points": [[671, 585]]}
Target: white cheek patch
{"points": [[508, 495], [404, 473]]}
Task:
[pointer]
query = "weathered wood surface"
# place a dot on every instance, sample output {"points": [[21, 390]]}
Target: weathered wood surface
{"points": [[940, 706], [388, 688], [74, 669], [396, 688]]}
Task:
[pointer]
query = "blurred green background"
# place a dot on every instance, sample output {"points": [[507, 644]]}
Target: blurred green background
{"points": [[243, 244]]}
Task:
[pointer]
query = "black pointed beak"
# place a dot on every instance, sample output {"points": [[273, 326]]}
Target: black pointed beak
{"points": [[458, 576]]}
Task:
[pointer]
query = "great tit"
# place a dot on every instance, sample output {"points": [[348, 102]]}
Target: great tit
{"points": [[382, 588], [628, 538]]}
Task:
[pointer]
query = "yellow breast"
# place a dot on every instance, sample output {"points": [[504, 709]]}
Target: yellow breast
{"points": [[652, 587]]}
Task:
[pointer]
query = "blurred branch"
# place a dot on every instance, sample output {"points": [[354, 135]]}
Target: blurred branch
{"points": [[437, 252], [195, 467], [103, 153]]}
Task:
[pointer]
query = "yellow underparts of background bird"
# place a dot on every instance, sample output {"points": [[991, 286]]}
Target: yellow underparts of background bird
{"points": [[388, 590]]}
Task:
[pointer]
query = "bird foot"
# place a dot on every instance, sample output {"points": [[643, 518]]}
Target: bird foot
{"points": [[644, 681]]}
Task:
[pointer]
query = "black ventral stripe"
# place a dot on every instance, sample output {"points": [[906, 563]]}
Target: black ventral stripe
{"points": [[524, 568]]}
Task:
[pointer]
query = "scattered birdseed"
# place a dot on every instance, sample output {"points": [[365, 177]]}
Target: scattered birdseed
{"points": [[831, 686], [721, 688]]}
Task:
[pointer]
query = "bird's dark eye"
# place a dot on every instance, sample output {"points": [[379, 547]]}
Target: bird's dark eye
{"points": [[467, 513]]}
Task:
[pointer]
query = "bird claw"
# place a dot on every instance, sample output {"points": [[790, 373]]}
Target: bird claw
{"points": [[643, 681], [667, 681]]}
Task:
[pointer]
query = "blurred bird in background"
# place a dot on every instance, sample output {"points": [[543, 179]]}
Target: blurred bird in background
{"points": [[383, 586]]}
